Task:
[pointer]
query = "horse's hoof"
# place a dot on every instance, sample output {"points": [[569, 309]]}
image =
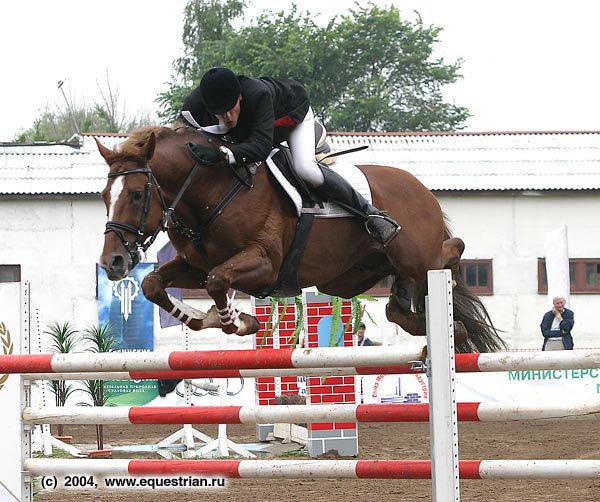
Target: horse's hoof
{"points": [[249, 326], [195, 324], [230, 329]]}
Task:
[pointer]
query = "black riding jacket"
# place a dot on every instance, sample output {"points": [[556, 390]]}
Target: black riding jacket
{"points": [[268, 110]]}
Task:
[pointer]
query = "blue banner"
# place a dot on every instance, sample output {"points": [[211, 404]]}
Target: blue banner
{"points": [[123, 304]]}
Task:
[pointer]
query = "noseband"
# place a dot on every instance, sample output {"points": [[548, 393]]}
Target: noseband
{"points": [[141, 244]]}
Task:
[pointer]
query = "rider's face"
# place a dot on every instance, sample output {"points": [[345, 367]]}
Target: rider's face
{"points": [[230, 118]]}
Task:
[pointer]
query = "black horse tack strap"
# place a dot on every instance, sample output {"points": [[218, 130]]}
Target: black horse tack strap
{"points": [[141, 243]]}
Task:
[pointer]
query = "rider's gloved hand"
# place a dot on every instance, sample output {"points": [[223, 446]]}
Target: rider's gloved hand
{"points": [[203, 153]]}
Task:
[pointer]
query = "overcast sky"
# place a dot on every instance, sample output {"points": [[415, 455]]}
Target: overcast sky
{"points": [[528, 64]]}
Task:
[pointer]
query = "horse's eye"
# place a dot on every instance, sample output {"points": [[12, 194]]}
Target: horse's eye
{"points": [[137, 196]]}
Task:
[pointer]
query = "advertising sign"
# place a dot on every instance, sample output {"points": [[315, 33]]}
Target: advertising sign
{"points": [[123, 305]]}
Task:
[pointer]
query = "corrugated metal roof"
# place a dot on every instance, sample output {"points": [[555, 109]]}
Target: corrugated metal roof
{"points": [[442, 161], [55, 169], [493, 161]]}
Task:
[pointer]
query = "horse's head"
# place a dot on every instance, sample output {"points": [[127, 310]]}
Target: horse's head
{"points": [[133, 203]]}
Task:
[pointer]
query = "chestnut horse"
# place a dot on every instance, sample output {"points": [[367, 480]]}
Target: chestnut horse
{"points": [[242, 244]]}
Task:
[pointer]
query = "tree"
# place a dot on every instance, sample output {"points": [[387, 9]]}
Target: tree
{"points": [[393, 81], [366, 71], [57, 124], [207, 26]]}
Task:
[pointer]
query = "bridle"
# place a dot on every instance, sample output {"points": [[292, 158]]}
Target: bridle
{"points": [[138, 248]]}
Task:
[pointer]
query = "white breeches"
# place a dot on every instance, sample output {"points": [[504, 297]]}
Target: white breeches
{"points": [[302, 147]]}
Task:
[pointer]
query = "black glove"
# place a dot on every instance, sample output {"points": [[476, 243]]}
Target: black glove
{"points": [[207, 154]]}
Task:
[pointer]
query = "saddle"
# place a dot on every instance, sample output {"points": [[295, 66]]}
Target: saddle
{"points": [[305, 198]]}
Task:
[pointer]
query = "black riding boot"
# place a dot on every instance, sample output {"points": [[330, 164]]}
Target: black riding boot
{"points": [[378, 225]]}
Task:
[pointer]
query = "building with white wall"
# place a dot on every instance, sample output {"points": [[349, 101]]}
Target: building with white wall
{"points": [[502, 192]]}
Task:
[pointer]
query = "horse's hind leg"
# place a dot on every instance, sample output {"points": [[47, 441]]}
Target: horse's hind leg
{"points": [[177, 273], [452, 250], [398, 310]]}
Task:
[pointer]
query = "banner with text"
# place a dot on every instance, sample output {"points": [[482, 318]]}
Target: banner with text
{"points": [[124, 306], [545, 386]]}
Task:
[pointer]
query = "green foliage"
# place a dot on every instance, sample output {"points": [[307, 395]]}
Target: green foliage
{"points": [[271, 328], [62, 336], [56, 126], [207, 25], [63, 339], [368, 70], [100, 339], [395, 83], [336, 339], [295, 336]]}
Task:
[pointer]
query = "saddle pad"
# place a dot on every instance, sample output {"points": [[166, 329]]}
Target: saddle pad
{"points": [[350, 172]]}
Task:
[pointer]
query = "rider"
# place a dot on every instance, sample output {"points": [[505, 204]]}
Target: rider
{"points": [[255, 111]]}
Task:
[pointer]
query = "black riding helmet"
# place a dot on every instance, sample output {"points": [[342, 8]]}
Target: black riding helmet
{"points": [[220, 89]]}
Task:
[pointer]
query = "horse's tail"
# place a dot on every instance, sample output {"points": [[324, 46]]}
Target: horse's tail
{"points": [[470, 310]]}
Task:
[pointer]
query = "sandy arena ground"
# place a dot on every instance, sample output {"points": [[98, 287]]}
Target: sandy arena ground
{"points": [[553, 439]]}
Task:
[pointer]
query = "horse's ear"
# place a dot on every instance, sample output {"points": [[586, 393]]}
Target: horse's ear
{"points": [[107, 153], [149, 147]]}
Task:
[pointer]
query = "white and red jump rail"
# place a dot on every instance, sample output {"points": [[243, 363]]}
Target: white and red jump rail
{"points": [[358, 360], [313, 469], [467, 412]]}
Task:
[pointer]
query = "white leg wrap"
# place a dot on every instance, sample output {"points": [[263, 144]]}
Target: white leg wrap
{"points": [[185, 309], [230, 314]]}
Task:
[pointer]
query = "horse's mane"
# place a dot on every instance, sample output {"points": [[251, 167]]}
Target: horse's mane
{"points": [[137, 139]]}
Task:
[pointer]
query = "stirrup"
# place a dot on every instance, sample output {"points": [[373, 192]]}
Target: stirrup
{"points": [[390, 221]]}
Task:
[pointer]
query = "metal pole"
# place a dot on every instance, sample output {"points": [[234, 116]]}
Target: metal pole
{"points": [[443, 422]]}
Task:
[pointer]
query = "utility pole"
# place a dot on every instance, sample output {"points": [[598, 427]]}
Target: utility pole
{"points": [[60, 86]]}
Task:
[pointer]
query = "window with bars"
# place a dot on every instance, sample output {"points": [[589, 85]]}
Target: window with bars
{"points": [[10, 273], [584, 275], [478, 275]]}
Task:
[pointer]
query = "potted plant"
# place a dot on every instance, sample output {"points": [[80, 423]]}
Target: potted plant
{"points": [[99, 339], [63, 339]]}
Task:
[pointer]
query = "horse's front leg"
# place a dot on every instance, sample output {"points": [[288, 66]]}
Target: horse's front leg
{"points": [[248, 270], [178, 273]]}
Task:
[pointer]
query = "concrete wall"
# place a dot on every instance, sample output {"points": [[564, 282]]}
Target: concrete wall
{"points": [[511, 229], [57, 244]]}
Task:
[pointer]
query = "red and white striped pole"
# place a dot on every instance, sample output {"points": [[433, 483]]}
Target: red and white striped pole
{"points": [[281, 362], [313, 469], [330, 357], [467, 412]]}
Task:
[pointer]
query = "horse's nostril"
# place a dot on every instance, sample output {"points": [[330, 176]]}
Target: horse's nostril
{"points": [[116, 263]]}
